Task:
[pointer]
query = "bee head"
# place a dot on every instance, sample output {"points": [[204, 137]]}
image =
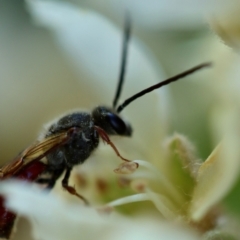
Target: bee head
{"points": [[111, 122]]}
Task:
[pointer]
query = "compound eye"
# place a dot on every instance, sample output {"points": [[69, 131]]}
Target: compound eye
{"points": [[117, 124]]}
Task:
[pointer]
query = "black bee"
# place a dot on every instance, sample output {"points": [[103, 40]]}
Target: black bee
{"points": [[72, 139]]}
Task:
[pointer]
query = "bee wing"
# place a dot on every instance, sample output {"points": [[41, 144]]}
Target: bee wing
{"points": [[33, 153]]}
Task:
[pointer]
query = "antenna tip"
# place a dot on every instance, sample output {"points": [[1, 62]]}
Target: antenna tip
{"points": [[207, 64]]}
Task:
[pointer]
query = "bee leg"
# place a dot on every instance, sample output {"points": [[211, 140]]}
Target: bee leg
{"points": [[71, 189], [51, 181], [106, 139]]}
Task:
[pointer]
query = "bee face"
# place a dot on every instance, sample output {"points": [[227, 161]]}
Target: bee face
{"points": [[108, 119]]}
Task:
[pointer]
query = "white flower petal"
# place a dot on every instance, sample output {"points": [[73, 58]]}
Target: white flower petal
{"points": [[218, 173], [93, 43], [167, 14], [221, 171], [55, 219], [155, 14]]}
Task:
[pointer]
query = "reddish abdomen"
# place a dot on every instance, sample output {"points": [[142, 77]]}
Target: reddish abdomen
{"points": [[29, 173]]}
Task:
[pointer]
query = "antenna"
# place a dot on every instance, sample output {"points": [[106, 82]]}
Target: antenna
{"points": [[126, 37], [158, 85]]}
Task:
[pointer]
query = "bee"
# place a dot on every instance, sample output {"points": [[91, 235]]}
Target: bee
{"points": [[72, 139]]}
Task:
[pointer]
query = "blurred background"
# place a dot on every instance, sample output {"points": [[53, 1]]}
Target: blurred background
{"points": [[40, 81]]}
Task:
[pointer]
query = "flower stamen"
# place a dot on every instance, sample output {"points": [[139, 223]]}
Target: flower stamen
{"points": [[175, 194], [158, 200]]}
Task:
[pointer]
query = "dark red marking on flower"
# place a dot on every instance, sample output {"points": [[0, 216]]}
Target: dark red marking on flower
{"points": [[101, 185]]}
